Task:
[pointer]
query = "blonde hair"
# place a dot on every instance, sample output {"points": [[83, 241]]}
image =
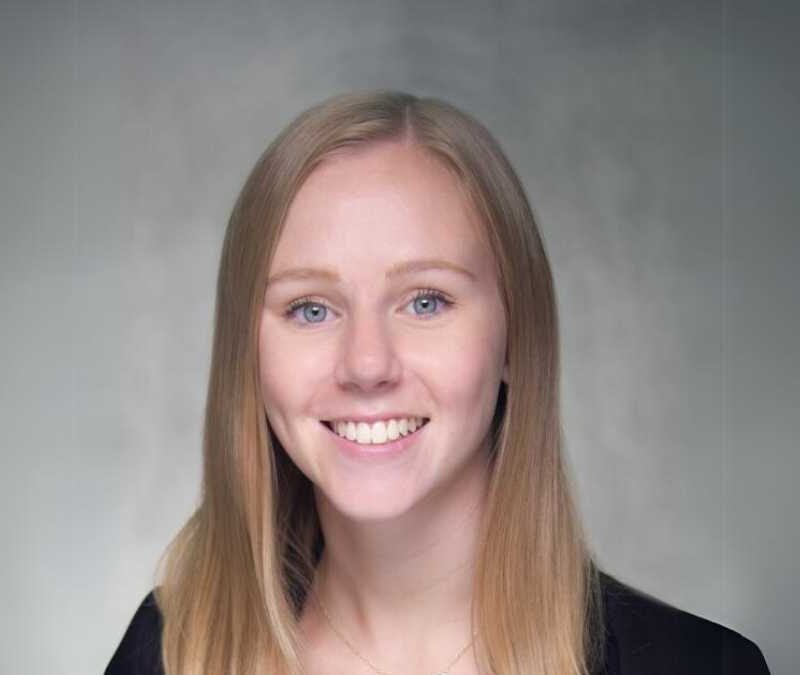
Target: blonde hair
{"points": [[236, 576]]}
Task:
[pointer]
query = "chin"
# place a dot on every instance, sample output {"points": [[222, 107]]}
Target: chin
{"points": [[384, 503]]}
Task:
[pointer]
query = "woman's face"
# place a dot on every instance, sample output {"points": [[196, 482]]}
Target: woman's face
{"points": [[377, 338]]}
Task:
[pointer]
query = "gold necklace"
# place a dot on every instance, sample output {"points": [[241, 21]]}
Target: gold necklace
{"points": [[366, 660]]}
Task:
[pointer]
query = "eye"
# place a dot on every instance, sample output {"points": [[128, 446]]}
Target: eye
{"points": [[438, 297], [314, 312], [311, 309]]}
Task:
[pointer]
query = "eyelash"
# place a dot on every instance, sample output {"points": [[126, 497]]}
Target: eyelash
{"points": [[422, 293]]}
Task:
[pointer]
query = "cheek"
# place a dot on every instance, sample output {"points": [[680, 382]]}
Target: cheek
{"points": [[277, 392], [280, 364], [466, 371], [281, 394]]}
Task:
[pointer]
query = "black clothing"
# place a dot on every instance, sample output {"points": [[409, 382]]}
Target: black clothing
{"points": [[649, 637], [644, 636]]}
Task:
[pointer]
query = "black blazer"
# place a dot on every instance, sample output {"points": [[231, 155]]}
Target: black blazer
{"points": [[645, 636]]}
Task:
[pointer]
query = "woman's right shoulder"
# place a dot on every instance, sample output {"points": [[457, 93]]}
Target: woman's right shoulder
{"points": [[139, 652]]}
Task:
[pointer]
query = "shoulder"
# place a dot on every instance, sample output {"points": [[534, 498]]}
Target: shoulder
{"points": [[655, 638], [139, 652]]}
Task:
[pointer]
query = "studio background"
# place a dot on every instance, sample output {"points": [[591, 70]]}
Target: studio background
{"points": [[657, 142]]}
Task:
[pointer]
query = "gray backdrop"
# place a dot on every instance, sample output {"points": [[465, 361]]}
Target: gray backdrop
{"points": [[655, 139]]}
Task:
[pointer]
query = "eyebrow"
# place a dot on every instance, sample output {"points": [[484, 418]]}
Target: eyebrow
{"points": [[399, 269]]}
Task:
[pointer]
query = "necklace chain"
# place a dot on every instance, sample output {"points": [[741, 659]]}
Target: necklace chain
{"points": [[366, 660]]}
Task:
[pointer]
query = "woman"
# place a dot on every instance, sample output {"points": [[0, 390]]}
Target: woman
{"points": [[384, 489]]}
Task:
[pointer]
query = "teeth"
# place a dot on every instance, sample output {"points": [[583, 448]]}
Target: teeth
{"points": [[379, 432]]}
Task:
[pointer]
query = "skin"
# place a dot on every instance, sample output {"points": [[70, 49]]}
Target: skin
{"points": [[400, 535]]}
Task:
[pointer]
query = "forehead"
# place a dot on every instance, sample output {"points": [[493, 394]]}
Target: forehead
{"points": [[380, 204]]}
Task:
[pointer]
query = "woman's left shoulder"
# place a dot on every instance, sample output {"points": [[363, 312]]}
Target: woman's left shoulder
{"points": [[655, 638]]}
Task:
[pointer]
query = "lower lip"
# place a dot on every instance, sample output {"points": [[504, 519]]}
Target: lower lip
{"points": [[370, 451]]}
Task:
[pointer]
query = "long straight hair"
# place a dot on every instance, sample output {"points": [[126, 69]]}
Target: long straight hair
{"points": [[236, 576]]}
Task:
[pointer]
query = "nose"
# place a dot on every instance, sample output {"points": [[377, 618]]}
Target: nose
{"points": [[368, 357]]}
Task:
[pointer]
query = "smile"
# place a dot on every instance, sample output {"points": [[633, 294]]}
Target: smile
{"points": [[378, 433], [374, 450]]}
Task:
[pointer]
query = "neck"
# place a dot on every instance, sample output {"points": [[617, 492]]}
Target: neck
{"points": [[403, 586]]}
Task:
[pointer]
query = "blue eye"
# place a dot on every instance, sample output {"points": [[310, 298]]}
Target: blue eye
{"points": [[314, 311], [425, 295]]}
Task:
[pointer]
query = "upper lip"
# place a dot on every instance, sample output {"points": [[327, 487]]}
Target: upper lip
{"points": [[369, 419]]}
